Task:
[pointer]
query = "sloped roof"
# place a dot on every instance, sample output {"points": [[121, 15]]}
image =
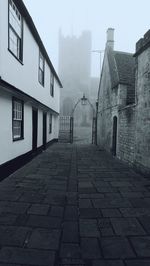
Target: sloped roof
{"points": [[122, 68]]}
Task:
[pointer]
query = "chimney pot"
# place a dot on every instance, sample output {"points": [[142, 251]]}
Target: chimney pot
{"points": [[110, 37]]}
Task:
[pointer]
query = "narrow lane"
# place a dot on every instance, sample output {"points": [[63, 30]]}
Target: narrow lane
{"points": [[75, 205]]}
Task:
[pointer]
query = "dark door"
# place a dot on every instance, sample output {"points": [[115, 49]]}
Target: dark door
{"points": [[114, 140], [71, 129], [34, 128], [44, 130]]}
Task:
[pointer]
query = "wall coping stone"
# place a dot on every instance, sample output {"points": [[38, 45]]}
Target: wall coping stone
{"points": [[143, 43]]}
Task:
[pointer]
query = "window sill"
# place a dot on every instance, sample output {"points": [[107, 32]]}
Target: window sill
{"points": [[15, 57], [14, 140]]}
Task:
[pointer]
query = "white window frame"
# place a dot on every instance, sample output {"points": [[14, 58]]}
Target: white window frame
{"points": [[15, 31], [41, 69], [17, 119]]}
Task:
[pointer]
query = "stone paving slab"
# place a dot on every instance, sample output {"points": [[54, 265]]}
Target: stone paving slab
{"points": [[75, 205], [27, 256]]}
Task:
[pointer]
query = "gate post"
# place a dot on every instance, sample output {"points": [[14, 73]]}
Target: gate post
{"points": [[93, 130], [71, 129], [96, 122]]}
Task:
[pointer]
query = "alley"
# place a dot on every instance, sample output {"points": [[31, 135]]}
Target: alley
{"points": [[75, 205]]}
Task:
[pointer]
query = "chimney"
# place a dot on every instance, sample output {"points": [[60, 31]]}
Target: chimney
{"points": [[110, 38]]}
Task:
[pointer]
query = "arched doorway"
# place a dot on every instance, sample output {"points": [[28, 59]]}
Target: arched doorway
{"points": [[83, 122], [114, 137], [83, 116]]}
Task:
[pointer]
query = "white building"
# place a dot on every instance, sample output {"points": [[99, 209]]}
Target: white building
{"points": [[29, 88]]}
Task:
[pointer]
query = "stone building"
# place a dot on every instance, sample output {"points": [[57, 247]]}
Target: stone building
{"points": [[124, 103], [142, 85]]}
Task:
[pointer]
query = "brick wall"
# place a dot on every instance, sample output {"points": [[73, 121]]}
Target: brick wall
{"points": [[126, 136]]}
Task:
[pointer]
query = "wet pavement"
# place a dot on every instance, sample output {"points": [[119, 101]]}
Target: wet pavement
{"points": [[82, 135], [75, 205]]}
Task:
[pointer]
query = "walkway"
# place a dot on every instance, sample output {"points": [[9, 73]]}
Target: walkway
{"points": [[75, 205]]}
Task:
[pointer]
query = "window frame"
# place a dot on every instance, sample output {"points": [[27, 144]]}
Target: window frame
{"points": [[52, 84], [14, 99], [39, 69], [50, 123], [10, 27]]}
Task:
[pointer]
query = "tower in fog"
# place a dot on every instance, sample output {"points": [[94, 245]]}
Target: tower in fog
{"points": [[74, 68]]}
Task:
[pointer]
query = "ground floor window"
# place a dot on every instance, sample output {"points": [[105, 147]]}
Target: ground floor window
{"points": [[50, 123], [17, 119]]}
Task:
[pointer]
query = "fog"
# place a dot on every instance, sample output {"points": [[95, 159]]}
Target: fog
{"points": [[129, 18], [71, 30]]}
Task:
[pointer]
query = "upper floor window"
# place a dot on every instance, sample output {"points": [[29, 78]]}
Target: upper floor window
{"points": [[41, 69], [17, 119], [15, 42], [52, 85]]}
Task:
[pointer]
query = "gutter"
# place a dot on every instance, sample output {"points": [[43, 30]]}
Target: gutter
{"points": [[10, 88]]}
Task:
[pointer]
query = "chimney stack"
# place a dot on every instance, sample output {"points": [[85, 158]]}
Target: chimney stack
{"points": [[110, 38]]}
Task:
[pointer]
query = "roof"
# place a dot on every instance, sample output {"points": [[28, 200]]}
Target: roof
{"points": [[23, 10], [122, 68]]}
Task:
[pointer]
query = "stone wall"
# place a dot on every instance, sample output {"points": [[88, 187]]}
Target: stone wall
{"points": [[113, 103], [106, 102], [142, 152], [104, 130], [126, 136], [131, 107]]}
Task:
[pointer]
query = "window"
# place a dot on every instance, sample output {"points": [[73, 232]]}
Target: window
{"points": [[50, 123], [17, 119], [41, 69], [15, 43], [52, 85]]}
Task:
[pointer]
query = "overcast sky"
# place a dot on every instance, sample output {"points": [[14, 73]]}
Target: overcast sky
{"points": [[129, 18]]}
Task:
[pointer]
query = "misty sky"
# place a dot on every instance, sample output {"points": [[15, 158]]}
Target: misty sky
{"points": [[129, 18]]}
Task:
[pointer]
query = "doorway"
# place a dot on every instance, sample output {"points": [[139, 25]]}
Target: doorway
{"points": [[34, 128], [44, 130], [114, 140]]}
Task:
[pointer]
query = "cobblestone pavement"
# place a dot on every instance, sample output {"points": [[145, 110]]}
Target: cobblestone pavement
{"points": [[75, 205]]}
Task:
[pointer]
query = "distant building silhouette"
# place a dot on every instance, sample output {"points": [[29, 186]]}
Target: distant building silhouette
{"points": [[74, 69]]}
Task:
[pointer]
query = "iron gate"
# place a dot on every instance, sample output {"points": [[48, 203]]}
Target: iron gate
{"points": [[65, 132], [66, 126]]}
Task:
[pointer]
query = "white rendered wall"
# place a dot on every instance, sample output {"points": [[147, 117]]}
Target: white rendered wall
{"points": [[10, 149], [54, 133], [1, 23], [56, 126], [25, 77]]}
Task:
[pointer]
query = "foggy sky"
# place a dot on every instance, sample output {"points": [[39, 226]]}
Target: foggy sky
{"points": [[130, 18]]}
